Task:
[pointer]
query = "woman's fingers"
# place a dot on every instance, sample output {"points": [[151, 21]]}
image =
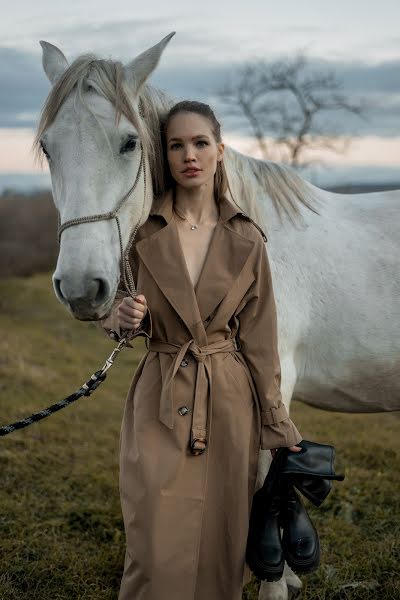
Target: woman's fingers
{"points": [[292, 448], [129, 304], [130, 315], [133, 308], [131, 311], [140, 298]]}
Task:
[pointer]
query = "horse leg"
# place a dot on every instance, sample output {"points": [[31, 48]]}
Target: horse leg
{"points": [[274, 590], [293, 583], [287, 588]]}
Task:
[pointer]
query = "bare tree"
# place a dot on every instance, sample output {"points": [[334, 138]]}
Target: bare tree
{"points": [[282, 100]]}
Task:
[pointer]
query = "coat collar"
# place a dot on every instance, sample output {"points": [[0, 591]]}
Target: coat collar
{"points": [[162, 205], [163, 256]]}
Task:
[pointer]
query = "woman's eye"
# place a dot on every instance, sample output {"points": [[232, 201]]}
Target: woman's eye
{"points": [[129, 145], [199, 143]]}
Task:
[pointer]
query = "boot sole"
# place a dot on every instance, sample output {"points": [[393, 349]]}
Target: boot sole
{"points": [[259, 570], [308, 565]]}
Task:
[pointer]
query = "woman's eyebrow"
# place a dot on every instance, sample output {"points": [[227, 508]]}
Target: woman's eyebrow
{"points": [[195, 137]]}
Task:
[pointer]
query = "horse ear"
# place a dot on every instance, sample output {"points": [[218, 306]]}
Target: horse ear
{"points": [[53, 60], [138, 70]]}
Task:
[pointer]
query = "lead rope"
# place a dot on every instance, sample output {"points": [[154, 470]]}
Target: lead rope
{"points": [[99, 376]]}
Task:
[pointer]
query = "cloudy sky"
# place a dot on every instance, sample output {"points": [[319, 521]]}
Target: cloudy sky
{"points": [[360, 42]]}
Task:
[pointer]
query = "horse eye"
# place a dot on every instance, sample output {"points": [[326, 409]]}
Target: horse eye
{"points": [[44, 150], [129, 145]]}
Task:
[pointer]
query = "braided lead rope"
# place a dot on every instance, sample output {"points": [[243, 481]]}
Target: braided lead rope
{"points": [[126, 270], [85, 390], [99, 376]]}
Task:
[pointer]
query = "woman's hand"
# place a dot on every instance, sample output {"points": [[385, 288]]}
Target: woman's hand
{"points": [[131, 312], [292, 448]]}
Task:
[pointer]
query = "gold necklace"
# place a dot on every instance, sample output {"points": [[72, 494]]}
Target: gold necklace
{"points": [[192, 225]]}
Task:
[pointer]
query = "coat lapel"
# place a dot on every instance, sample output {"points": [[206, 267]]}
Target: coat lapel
{"points": [[227, 255], [162, 254]]}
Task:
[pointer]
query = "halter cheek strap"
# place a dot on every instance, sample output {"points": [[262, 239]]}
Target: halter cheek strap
{"points": [[125, 265]]}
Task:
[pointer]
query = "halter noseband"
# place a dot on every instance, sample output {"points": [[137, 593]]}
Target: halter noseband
{"points": [[125, 265]]}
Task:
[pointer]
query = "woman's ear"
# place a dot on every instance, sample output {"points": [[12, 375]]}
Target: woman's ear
{"points": [[221, 148]]}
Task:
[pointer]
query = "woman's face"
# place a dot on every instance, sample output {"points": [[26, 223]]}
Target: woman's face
{"points": [[192, 151]]}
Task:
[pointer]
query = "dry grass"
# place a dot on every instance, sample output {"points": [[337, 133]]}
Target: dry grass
{"points": [[60, 521]]}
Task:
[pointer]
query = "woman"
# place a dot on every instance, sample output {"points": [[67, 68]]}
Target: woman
{"points": [[206, 396]]}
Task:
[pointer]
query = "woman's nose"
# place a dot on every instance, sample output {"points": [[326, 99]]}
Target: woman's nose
{"points": [[189, 153]]}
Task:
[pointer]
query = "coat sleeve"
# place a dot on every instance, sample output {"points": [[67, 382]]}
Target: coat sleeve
{"points": [[110, 323], [258, 338]]}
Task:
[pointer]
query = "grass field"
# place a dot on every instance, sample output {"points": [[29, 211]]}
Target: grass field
{"points": [[61, 528]]}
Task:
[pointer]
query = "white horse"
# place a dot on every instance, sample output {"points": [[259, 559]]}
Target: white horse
{"points": [[335, 258]]}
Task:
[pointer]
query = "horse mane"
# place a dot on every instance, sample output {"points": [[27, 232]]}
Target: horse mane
{"points": [[250, 180], [106, 77]]}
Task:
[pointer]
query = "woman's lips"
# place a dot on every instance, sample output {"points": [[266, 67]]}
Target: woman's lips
{"points": [[191, 173]]}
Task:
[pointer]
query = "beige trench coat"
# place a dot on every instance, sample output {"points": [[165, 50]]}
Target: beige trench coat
{"points": [[186, 514]]}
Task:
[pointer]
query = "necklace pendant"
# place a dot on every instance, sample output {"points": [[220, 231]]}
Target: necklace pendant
{"points": [[194, 227]]}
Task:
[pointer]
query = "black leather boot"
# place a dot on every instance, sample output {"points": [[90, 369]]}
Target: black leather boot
{"points": [[300, 541], [313, 461], [264, 553], [315, 490], [307, 468], [311, 471]]}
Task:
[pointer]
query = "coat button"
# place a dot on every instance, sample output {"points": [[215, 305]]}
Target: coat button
{"points": [[184, 363], [183, 410]]}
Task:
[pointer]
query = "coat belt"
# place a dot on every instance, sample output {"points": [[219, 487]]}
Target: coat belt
{"points": [[198, 436]]}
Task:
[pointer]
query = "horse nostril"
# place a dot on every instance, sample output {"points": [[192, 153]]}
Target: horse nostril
{"points": [[57, 289], [83, 295], [102, 291]]}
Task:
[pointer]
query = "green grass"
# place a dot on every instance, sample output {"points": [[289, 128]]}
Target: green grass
{"points": [[61, 527]]}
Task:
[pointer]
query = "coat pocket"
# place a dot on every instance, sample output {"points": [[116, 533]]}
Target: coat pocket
{"points": [[237, 373]]}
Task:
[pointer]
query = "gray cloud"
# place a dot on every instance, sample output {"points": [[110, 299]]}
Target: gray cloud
{"points": [[120, 40], [315, 30], [362, 77], [24, 86]]}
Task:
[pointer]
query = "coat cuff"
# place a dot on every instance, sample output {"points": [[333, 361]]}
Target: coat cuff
{"points": [[274, 415], [144, 329], [281, 435]]}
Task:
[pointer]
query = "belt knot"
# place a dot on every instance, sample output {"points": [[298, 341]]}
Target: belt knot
{"points": [[199, 353], [202, 393]]}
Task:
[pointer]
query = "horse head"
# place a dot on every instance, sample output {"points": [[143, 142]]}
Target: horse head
{"points": [[98, 145]]}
